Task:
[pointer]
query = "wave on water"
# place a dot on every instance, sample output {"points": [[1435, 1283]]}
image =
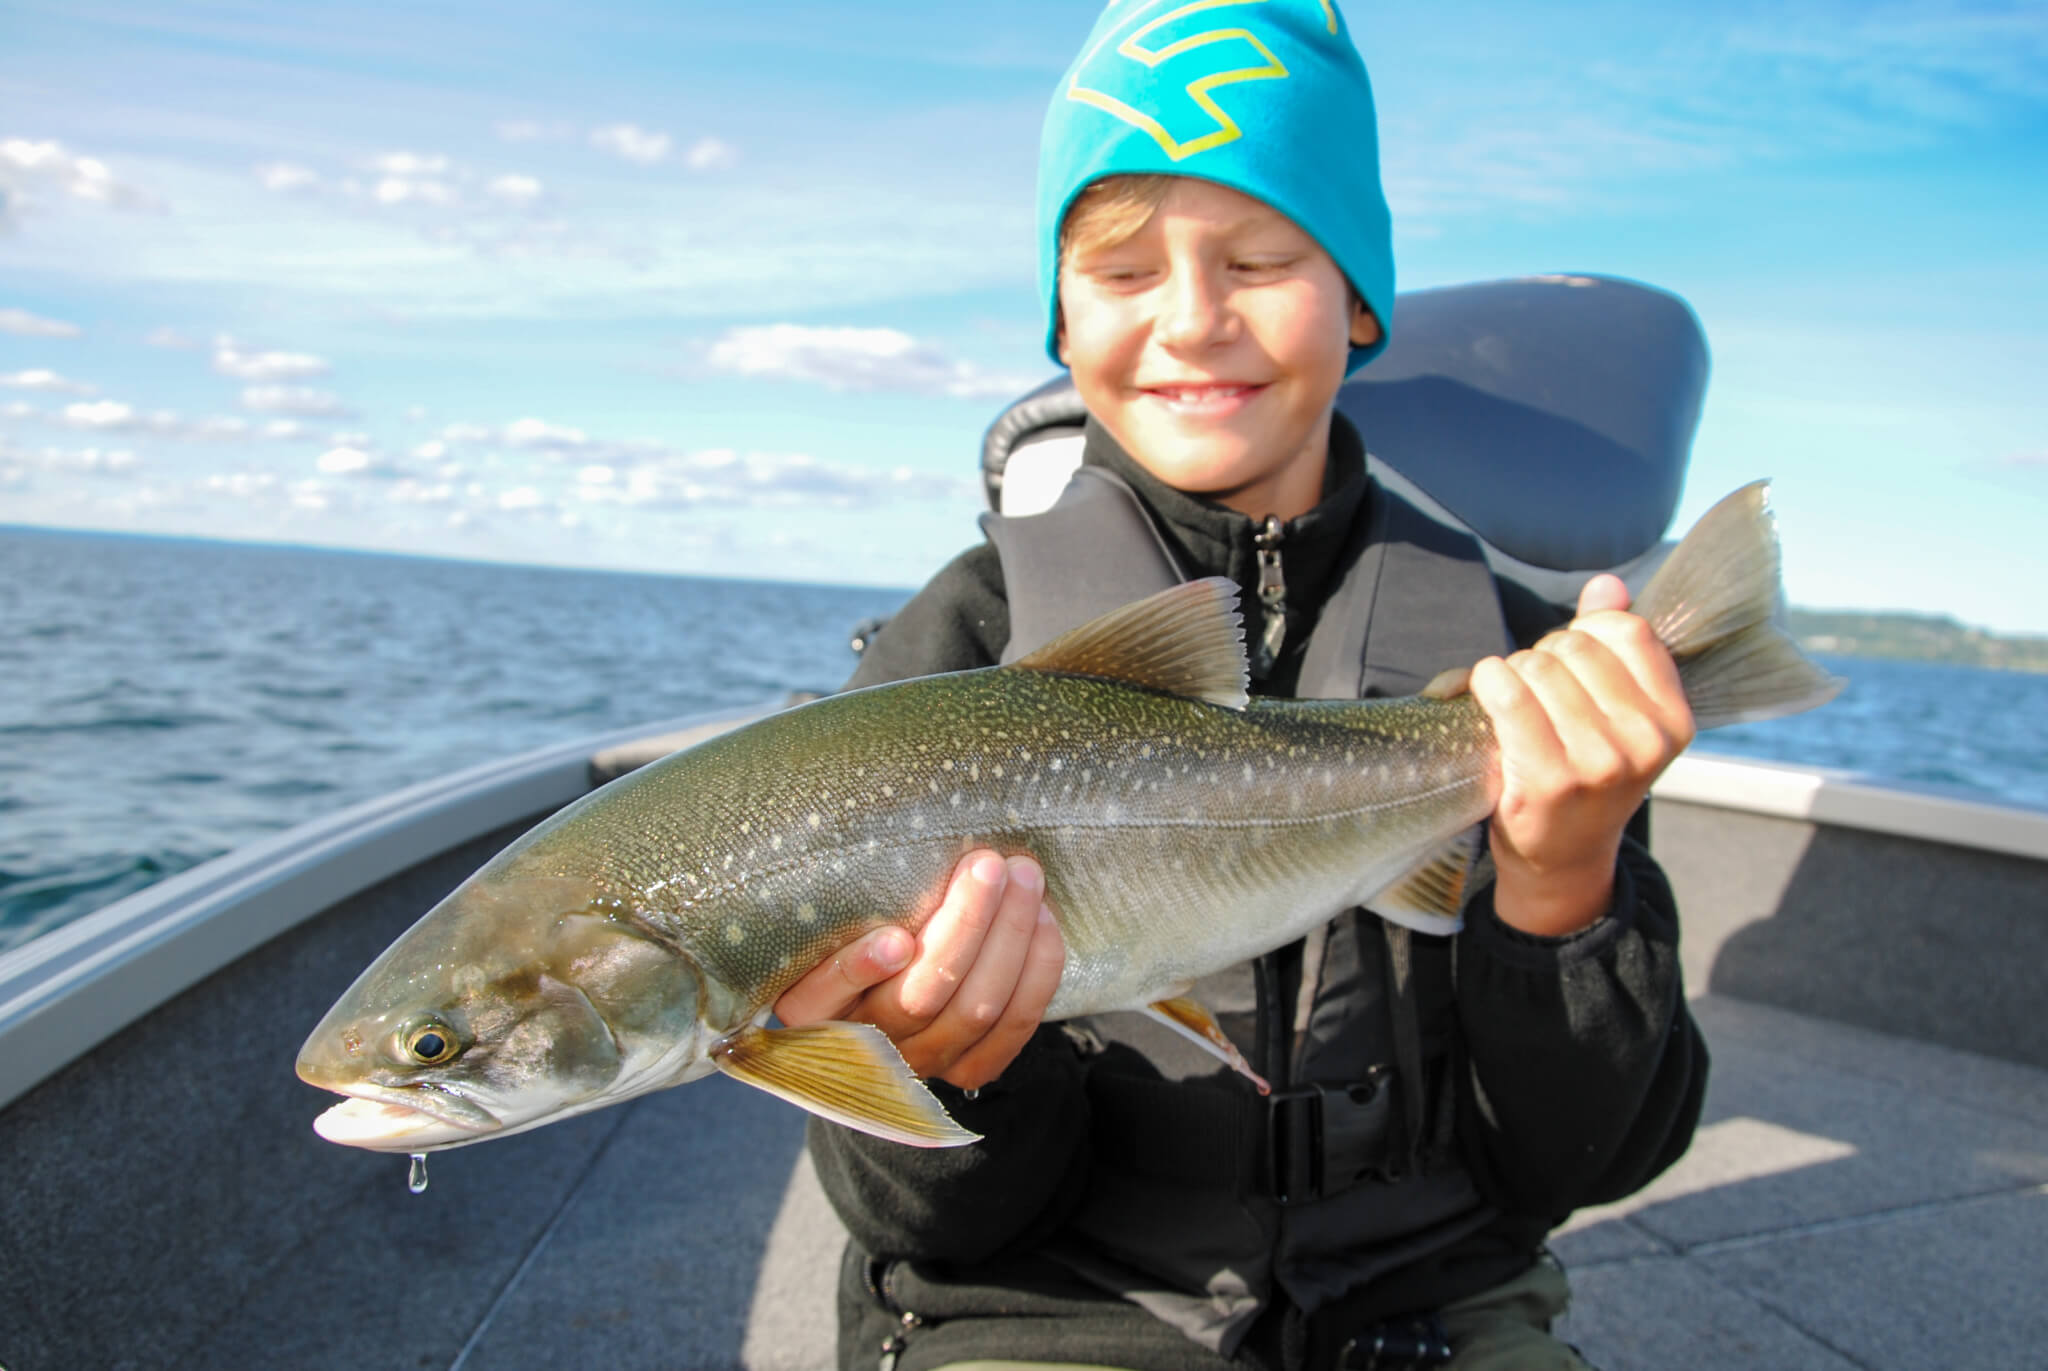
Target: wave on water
{"points": [[163, 701], [37, 901]]}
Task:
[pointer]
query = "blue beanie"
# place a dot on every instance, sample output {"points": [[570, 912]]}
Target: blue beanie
{"points": [[1267, 97]]}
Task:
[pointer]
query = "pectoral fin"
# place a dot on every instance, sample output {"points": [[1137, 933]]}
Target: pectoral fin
{"points": [[1193, 1021], [849, 1073], [1430, 896]]}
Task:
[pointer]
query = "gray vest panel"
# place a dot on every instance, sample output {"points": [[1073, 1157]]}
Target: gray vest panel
{"points": [[1182, 1199]]}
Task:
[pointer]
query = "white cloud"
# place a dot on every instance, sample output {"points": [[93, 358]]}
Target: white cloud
{"points": [[409, 164], [117, 416], [468, 433], [229, 359], [514, 189], [47, 165], [400, 190], [223, 426], [518, 130], [21, 322], [632, 142], [303, 400], [711, 154], [520, 497], [538, 433], [170, 338], [41, 378], [243, 484], [855, 359], [345, 461], [18, 409], [104, 414], [287, 177], [283, 429], [94, 461]]}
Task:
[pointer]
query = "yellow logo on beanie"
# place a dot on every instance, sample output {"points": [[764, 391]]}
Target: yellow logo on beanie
{"points": [[1201, 122]]}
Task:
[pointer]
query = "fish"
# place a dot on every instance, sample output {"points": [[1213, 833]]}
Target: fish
{"points": [[639, 938]]}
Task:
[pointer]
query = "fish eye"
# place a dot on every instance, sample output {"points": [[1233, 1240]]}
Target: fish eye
{"points": [[431, 1043]]}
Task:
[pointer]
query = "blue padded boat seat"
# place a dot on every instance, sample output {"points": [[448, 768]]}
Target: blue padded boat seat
{"points": [[1553, 416]]}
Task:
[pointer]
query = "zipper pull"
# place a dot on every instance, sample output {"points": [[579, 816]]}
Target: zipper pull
{"points": [[1272, 596], [893, 1345]]}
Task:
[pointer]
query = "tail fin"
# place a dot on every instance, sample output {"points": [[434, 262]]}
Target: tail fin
{"points": [[1714, 604]]}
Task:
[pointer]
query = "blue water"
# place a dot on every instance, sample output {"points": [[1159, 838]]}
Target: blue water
{"points": [[163, 700]]}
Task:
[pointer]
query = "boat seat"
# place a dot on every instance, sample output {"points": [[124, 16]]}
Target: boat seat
{"points": [[1552, 416]]}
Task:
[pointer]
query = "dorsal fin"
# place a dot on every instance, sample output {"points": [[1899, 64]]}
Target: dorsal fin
{"points": [[1186, 640]]}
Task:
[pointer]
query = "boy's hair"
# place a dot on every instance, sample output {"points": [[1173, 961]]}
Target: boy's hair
{"points": [[1111, 211], [1272, 101]]}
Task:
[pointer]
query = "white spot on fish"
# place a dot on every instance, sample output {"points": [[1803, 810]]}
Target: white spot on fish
{"points": [[816, 819], [1145, 751], [998, 772], [735, 935], [1057, 764], [946, 765], [1248, 775], [974, 772], [888, 792], [806, 913], [917, 821], [776, 842], [872, 844], [956, 799], [747, 827]]}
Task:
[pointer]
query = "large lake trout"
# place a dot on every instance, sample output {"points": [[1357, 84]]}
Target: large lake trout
{"points": [[638, 938]]}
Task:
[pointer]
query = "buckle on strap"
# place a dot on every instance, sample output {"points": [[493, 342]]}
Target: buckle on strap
{"points": [[1323, 1139]]}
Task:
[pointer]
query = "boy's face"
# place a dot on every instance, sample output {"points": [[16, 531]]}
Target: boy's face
{"points": [[1211, 343]]}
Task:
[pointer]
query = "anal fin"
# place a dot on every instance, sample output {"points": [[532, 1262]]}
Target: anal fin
{"points": [[849, 1073], [1193, 1021], [1429, 897]]}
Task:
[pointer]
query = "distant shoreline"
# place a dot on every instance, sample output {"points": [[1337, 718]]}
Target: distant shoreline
{"points": [[1916, 638]]}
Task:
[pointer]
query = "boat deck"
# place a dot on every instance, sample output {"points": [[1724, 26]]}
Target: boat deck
{"points": [[1853, 1200]]}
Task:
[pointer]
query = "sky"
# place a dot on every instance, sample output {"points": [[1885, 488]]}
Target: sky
{"points": [[735, 289]]}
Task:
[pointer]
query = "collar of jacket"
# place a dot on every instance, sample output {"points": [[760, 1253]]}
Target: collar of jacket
{"points": [[1212, 539]]}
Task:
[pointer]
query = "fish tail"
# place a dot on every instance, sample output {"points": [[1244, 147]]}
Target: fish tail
{"points": [[1716, 602]]}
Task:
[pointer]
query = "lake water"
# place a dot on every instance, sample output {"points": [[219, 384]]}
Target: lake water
{"points": [[165, 700]]}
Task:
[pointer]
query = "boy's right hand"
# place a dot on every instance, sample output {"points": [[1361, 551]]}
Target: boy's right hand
{"points": [[961, 999]]}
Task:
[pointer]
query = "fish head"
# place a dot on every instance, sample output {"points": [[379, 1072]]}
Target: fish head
{"points": [[518, 1000]]}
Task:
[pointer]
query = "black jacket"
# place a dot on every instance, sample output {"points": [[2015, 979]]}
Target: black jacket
{"points": [[1579, 1072]]}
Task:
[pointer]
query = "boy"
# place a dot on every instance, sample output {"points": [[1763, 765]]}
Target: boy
{"points": [[1216, 257]]}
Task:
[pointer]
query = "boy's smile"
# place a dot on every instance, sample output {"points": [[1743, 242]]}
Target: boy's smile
{"points": [[1211, 343]]}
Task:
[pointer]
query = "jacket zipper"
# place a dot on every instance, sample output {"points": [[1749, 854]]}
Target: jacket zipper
{"points": [[893, 1345], [1272, 596]]}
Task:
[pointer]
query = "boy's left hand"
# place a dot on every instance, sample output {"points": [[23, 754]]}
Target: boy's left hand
{"points": [[1586, 719]]}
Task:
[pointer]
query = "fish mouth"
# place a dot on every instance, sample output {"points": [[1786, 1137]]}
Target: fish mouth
{"points": [[416, 1120]]}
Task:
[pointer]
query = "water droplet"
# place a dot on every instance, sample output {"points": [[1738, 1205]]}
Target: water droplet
{"points": [[416, 1178]]}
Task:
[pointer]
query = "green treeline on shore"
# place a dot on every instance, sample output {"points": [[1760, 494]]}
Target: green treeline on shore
{"points": [[1915, 637]]}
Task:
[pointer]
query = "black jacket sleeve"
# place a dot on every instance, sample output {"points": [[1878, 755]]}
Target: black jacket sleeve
{"points": [[1585, 1069], [959, 621], [1022, 1180]]}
